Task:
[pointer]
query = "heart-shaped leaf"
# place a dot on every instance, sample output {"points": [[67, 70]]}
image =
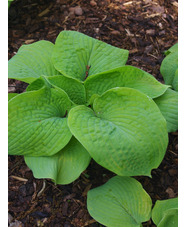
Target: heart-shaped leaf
{"points": [[77, 55], [165, 213], [63, 167], [126, 76], [168, 105], [120, 202], [32, 61], [37, 125], [125, 132]]}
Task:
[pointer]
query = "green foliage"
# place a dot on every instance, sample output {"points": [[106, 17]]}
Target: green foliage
{"points": [[118, 131], [169, 67], [63, 167], [120, 202], [126, 76], [74, 88], [37, 122], [83, 102], [165, 213], [32, 61], [83, 52], [168, 105]]}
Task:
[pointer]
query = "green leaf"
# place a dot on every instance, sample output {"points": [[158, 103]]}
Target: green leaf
{"points": [[172, 49], [122, 201], [126, 76], [125, 132], [72, 87], [168, 105], [165, 213], [63, 167], [32, 61], [11, 95], [175, 81], [37, 123], [74, 52], [168, 67]]}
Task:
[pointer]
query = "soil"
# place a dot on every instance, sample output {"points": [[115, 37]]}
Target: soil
{"points": [[146, 28]]}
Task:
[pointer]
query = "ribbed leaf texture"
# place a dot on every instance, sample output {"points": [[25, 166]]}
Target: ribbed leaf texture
{"points": [[32, 61], [126, 76], [74, 88], [63, 167], [125, 132], [37, 122], [77, 55]]}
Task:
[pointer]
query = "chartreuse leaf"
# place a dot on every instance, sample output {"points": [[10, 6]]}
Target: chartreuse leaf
{"points": [[32, 61], [75, 52], [37, 123], [169, 66], [121, 202], [168, 105], [11, 95], [126, 76], [63, 167], [165, 213], [74, 88], [125, 132]]}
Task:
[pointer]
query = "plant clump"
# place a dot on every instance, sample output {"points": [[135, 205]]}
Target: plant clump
{"points": [[84, 102]]}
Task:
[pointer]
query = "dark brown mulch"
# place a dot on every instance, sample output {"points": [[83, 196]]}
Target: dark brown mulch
{"points": [[146, 28]]}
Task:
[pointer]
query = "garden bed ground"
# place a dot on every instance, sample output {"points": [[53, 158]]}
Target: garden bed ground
{"points": [[146, 28]]}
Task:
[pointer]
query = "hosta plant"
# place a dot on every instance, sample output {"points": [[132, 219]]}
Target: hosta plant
{"points": [[84, 102]]}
